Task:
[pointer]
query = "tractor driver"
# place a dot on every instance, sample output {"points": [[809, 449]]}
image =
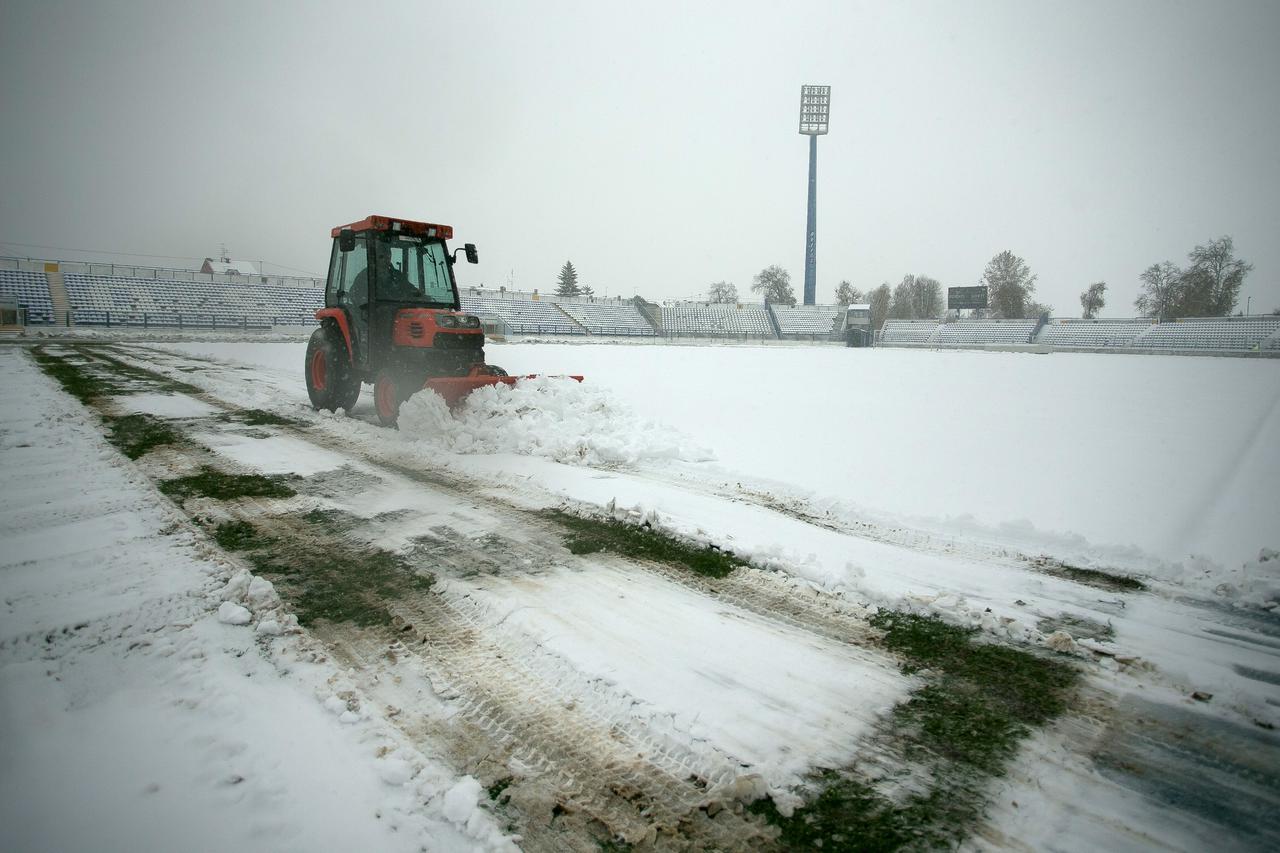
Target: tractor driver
{"points": [[392, 281]]}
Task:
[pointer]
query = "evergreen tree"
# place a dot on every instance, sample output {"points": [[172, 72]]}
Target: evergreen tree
{"points": [[568, 281]]}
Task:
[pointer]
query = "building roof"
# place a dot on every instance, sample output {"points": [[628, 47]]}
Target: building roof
{"points": [[230, 267]]}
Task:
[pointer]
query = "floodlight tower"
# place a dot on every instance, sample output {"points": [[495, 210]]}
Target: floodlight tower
{"points": [[815, 105]]}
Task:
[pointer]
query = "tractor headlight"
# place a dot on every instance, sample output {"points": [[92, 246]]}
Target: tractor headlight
{"points": [[470, 321], [447, 321]]}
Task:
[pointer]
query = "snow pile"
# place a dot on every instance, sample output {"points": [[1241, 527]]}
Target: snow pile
{"points": [[1254, 584], [557, 418]]}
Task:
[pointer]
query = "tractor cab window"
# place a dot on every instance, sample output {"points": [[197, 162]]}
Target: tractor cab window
{"points": [[354, 290], [413, 269]]}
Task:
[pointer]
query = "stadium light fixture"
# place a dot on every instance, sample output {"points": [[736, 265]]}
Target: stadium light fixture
{"points": [[815, 108]]}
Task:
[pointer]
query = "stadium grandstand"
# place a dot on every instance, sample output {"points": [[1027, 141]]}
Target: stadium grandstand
{"points": [[807, 320], [52, 293], [1216, 335]]}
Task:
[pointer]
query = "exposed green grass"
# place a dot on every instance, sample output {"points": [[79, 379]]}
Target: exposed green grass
{"points": [[74, 378], [1090, 577], [334, 581], [593, 535], [962, 727], [261, 417], [152, 379], [495, 790], [239, 536], [850, 815], [212, 483], [136, 434]]}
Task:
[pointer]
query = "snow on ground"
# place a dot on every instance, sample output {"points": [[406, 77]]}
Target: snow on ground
{"points": [[137, 714], [1171, 456], [872, 497], [961, 569], [162, 405], [768, 697]]}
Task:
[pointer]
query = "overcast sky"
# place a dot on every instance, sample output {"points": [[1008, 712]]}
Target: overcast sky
{"points": [[654, 145]]}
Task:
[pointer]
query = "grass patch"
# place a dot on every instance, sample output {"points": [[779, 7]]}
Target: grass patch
{"points": [[594, 535], [152, 379], [74, 379], [212, 483], [331, 520], [137, 434], [326, 580], [261, 417], [961, 728], [239, 536], [1090, 577], [850, 815]]}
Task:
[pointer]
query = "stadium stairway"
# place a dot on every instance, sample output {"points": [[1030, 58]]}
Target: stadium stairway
{"points": [[652, 313], [773, 319], [58, 296], [572, 319]]}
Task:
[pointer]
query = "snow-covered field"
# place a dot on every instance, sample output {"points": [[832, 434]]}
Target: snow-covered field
{"points": [[1171, 458], [941, 483]]}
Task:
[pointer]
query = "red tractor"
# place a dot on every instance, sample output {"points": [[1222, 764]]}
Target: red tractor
{"points": [[391, 318]]}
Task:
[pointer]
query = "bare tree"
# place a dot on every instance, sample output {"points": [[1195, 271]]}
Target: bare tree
{"points": [[775, 283], [1211, 285], [1010, 284], [916, 297], [847, 294], [1036, 310], [881, 299], [1158, 295], [1093, 298], [722, 292]]}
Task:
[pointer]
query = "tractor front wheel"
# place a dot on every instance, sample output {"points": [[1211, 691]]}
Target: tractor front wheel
{"points": [[330, 382], [387, 397]]}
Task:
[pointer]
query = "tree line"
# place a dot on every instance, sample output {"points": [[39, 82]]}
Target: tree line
{"points": [[1209, 286]]}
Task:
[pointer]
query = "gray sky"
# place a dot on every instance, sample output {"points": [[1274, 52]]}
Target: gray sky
{"points": [[655, 145]]}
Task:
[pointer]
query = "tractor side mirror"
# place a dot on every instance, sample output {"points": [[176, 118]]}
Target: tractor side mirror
{"points": [[346, 240], [473, 257]]}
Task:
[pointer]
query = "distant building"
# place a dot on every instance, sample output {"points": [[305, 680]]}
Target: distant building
{"points": [[229, 267]]}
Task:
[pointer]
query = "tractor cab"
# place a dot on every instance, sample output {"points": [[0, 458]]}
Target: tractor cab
{"points": [[391, 318], [380, 266]]}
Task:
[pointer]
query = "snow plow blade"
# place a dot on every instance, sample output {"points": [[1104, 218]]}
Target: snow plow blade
{"points": [[455, 388]]}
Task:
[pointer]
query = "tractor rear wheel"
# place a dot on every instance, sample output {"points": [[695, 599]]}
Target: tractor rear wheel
{"points": [[387, 396], [331, 383]]}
